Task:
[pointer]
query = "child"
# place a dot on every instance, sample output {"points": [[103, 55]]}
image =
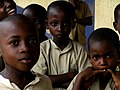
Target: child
{"points": [[38, 15], [103, 48], [10, 7], [116, 22], [61, 57], [7, 8], [19, 48], [83, 18]]}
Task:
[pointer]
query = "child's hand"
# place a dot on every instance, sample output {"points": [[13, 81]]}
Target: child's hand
{"points": [[88, 76], [116, 78], [72, 74]]}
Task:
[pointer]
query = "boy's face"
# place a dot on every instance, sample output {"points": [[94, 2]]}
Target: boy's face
{"points": [[39, 22], [103, 55], [19, 46], [7, 8], [10, 7], [117, 25], [3, 13], [59, 23]]}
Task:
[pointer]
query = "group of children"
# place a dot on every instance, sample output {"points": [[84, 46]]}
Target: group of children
{"points": [[27, 57]]}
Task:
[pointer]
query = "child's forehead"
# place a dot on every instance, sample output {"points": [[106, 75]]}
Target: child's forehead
{"points": [[10, 26], [58, 12], [102, 45]]}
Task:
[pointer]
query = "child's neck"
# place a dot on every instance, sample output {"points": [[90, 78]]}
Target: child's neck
{"points": [[20, 78], [103, 82], [61, 43]]}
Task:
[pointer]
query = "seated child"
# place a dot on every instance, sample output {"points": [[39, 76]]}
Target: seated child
{"points": [[103, 49], [19, 48], [61, 58], [38, 15]]}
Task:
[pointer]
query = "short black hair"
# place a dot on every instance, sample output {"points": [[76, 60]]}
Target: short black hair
{"points": [[14, 19], [40, 10], [102, 34], [64, 5], [116, 13]]}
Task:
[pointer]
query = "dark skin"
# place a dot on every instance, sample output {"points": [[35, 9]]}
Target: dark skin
{"points": [[7, 8], [10, 7], [3, 13], [59, 24], [20, 51], [19, 76], [103, 57], [38, 20]]}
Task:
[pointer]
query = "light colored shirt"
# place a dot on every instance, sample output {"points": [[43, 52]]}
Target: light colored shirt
{"points": [[95, 85], [41, 82], [78, 33], [54, 61]]}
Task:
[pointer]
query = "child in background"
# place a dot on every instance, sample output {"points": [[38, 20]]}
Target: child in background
{"points": [[116, 22], [10, 7], [61, 58], [83, 18], [38, 15], [7, 8], [103, 49], [19, 48]]}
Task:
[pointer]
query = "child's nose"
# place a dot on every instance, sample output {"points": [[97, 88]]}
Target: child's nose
{"points": [[103, 61], [24, 48], [59, 27]]}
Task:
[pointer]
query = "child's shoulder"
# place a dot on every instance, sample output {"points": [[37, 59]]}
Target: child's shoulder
{"points": [[43, 79], [76, 44], [42, 76], [46, 42]]}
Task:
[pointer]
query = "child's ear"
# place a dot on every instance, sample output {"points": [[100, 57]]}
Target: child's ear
{"points": [[115, 25], [46, 24]]}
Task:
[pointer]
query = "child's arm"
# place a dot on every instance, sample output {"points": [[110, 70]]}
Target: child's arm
{"points": [[62, 80], [85, 78], [116, 78]]}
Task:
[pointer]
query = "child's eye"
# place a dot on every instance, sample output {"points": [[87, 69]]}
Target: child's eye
{"points": [[14, 43], [66, 24], [108, 56], [33, 41], [54, 23], [37, 21], [96, 57]]}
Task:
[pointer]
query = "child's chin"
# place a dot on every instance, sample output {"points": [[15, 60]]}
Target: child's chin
{"points": [[106, 73]]}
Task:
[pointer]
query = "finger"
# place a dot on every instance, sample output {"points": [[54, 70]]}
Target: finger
{"points": [[99, 71], [111, 72], [116, 81]]}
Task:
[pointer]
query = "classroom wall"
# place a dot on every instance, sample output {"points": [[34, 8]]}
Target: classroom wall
{"points": [[24, 3], [104, 13]]}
